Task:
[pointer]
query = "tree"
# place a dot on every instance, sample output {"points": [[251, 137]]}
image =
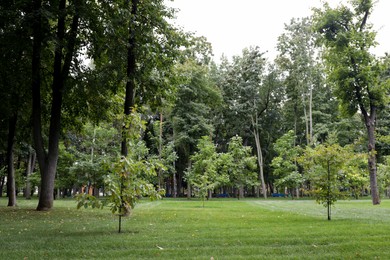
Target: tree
{"points": [[303, 78], [356, 72], [242, 165], [285, 165], [191, 114], [128, 178], [15, 71], [66, 43], [330, 170], [249, 91], [203, 174], [323, 165]]}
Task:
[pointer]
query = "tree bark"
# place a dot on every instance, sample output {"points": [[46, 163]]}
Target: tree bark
{"points": [[311, 114], [29, 170], [174, 182], [160, 179], [130, 73], [370, 124], [259, 157], [11, 189], [306, 119]]}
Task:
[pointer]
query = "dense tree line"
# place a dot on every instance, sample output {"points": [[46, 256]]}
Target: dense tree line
{"points": [[91, 88]]}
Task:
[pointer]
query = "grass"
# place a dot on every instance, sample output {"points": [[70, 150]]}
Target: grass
{"points": [[181, 229]]}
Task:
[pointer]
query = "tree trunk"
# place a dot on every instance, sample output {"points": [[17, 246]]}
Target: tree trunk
{"points": [[11, 189], [306, 120], [259, 157], [174, 185], [311, 114], [160, 179], [188, 190], [130, 73], [370, 124], [241, 192], [29, 170]]}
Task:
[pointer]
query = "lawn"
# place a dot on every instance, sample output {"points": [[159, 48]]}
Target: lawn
{"points": [[181, 229]]}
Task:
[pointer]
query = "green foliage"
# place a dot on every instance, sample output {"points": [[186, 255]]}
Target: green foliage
{"points": [[204, 174], [348, 38], [129, 178], [127, 181], [241, 164], [192, 113], [285, 164], [332, 171], [384, 176]]}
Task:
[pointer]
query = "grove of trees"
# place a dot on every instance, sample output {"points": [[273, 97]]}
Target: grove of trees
{"points": [[110, 99]]}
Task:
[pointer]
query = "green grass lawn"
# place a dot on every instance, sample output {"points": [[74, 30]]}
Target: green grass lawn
{"points": [[181, 229]]}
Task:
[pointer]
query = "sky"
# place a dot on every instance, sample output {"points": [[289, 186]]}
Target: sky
{"points": [[231, 25]]}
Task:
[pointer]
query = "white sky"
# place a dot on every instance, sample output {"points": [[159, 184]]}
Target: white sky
{"points": [[232, 25]]}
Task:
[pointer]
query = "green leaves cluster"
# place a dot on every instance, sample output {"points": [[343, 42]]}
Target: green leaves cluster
{"points": [[285, 165], [333, 172], [211, 170]]}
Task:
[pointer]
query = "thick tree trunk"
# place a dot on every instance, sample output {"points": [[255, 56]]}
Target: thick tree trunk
{"points": [[11, 190], [130, 73], [241, 192]]}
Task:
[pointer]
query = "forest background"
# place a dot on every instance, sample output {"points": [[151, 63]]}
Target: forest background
{"points": [[99, 96]]}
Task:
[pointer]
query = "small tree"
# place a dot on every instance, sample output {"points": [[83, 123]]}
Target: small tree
{"points": [[128, 178], [328, 167], [323, 164]]}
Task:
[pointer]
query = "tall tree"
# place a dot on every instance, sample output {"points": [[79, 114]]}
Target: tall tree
{"points": [[15, 71], [67, 29], [191, 114], [250, 92], [348, 37], [137, 54], [297, 59]]}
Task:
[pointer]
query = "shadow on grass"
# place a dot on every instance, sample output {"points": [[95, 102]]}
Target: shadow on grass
{"points": [[102, 233]]}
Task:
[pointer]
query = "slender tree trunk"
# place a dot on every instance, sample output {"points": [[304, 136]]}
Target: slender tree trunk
{"points": [[29, 170], [306, 120], [130, 73], [160, 180], [188, 190], [174, 182], [259, 156], [11, 189], [328, 201], [311, 115]]}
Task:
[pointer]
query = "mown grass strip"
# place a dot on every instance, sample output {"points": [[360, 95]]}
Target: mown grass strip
{"points": [[180, 229]]}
